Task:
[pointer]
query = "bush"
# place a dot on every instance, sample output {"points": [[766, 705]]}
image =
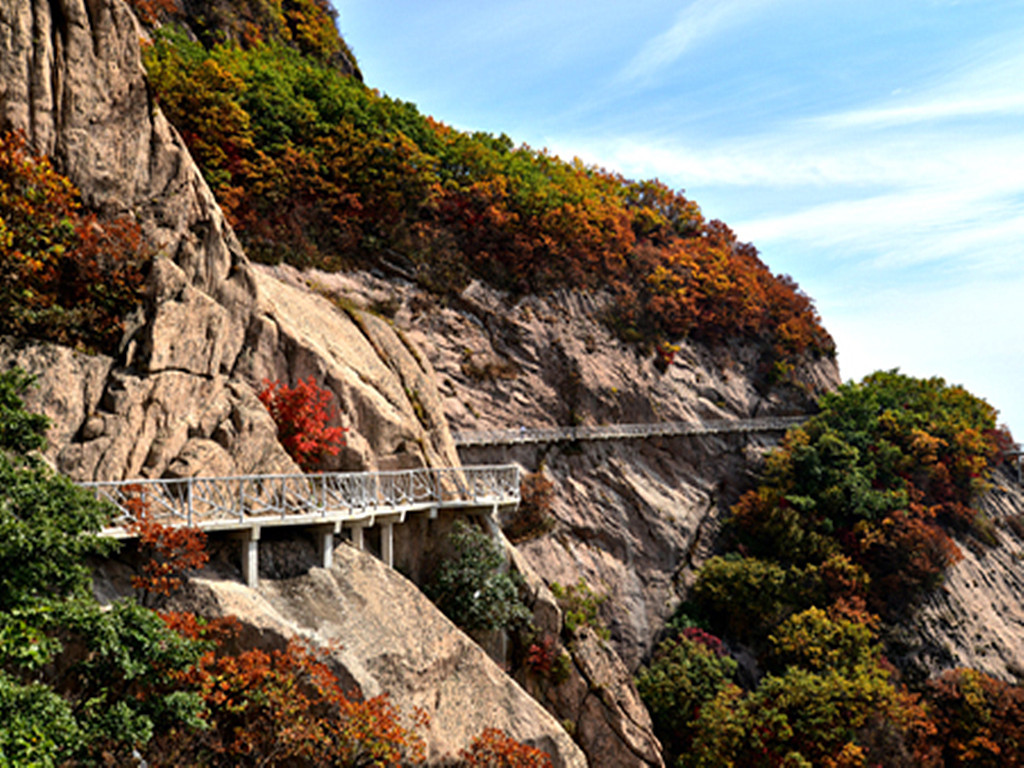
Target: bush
{"points": [[472, 588], [65, 276], [533, 516], [682, 677], [580, 608], [494, 749], [301, 414]]}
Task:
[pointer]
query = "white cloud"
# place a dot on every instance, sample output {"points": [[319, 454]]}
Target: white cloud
{"points": [[700, 20]]}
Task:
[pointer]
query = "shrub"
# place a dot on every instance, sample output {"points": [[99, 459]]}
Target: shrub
{"points": [[492, 748], [65, 276], [472, 588], [682, 677], [301, 414], [580, 608], [533, 516]]}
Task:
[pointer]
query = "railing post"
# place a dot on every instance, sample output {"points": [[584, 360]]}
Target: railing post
{"points": [[188, 499]]}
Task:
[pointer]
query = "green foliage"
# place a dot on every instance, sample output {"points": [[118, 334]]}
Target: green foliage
{"points": [[580, 608], [315, 169], [64, 276], [682, 677], [880, 474], [854, 512], [472, 587], [20, 431], [75, 679]]}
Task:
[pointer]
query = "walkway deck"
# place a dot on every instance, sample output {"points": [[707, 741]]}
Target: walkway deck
{"points": [[326, 502], [625, 431]]}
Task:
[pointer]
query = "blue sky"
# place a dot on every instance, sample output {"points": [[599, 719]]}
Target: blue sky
{"points": [[872, 150]]}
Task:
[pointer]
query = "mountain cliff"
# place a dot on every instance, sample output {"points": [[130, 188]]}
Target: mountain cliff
{"points": [[442, 322]]}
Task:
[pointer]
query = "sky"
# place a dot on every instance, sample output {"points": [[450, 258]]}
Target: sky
{"points": [[872, 150]]}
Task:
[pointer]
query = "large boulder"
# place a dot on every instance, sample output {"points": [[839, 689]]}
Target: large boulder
{"points": [[385, 636]]}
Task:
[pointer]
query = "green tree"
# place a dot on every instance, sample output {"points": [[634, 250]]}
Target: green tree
{"points": [[473, 587], [75, 678], [683, 676]]}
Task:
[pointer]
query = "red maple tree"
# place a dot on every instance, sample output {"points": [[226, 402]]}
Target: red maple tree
{"points": [[301, 414]]}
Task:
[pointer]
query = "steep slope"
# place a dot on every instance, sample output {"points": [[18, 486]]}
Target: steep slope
{"points": [[74, 84], [179, 399], [633, 518], [976, 617]]}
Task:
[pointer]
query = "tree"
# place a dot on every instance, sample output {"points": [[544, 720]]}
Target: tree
{"points": [[65, 276], [75, 678], [472, 587], [301, 414], [683, 676]]}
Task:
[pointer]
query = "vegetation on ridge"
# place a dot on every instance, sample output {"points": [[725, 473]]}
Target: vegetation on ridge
{"points": [[314, 168], [850, 527], [65, 276]]}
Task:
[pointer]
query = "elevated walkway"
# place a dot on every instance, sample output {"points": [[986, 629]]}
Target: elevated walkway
{"points": [[326, 503], [625, 431]]}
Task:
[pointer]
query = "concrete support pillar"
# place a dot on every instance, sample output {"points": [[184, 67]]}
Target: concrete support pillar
{"points": [[325, 545], [251, 556], [387, 544], [357, 538]]}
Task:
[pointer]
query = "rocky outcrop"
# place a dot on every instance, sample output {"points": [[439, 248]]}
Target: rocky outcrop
{"points": [[976, 617], [181, 397], [634, 519], [387, 637]]}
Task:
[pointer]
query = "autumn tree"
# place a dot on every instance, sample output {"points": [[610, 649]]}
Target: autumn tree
{"points": [[65, 275], [302, 414]]}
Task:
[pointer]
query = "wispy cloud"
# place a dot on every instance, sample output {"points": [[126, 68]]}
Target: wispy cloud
{"points": [[699, 21]]}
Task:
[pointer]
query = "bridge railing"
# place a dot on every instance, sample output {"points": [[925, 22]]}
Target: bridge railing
{"points": [[199, 501], [624, 431]]}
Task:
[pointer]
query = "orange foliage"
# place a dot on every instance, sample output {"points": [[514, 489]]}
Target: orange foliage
{"points": [[314, 169], [494, 749], [64, 276], [283, 707], [172, 550], [979, 720], [150, 11]]}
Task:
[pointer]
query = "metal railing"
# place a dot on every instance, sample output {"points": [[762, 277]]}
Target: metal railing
{"points": [[209, 501], [625, 431]]}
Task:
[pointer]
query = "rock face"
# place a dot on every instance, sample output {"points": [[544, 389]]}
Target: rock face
{"points": [[393, 640], [634, 519], [976, 618], [182, 397]]}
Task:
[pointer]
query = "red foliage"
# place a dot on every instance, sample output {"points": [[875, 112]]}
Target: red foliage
{"points": [[541, 655], [301, 414], [494, 749], [172, 550], [283, 707], [979, 720], [150, 11], [708, 640], [64, 276]]}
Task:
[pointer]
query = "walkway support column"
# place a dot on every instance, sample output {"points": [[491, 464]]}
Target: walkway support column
{"points": [[325, 544], [358, 541], [251, 556], [387, 544]]}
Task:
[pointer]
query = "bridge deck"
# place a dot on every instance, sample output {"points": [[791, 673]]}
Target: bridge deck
{"points": [[625, 431], [325, 502]]}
